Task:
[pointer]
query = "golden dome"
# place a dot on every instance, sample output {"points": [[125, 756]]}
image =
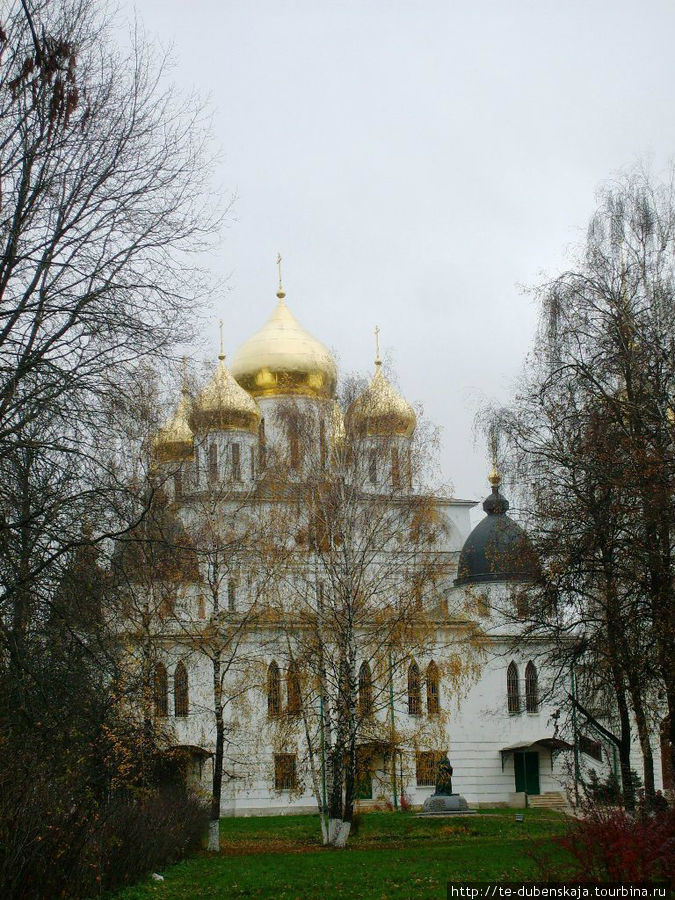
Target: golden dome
{"points": [[282, 358], [174, 441], [224, 406], [381, 410]]}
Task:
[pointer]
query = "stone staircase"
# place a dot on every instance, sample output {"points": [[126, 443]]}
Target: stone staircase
{"points": [[549, 800]]}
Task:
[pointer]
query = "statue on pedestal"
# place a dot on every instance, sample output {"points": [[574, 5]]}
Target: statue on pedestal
{"points": [[443, 800]]}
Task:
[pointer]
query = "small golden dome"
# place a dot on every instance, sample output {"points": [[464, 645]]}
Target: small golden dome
{"points": [[282, 358], [381, 410], [224, 406], [174, 441]]}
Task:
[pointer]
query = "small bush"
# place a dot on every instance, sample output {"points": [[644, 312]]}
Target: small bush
{"points": [[609, 845]]}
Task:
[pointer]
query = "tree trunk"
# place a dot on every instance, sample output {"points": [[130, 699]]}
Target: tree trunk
{"points": [[216, 792]]}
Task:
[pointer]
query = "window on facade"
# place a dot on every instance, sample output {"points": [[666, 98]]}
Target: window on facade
{"points": [[433, 689], [160, 685], [323, 447], [513, 688], [180, 690], [285, 772], [252, 452], [262, 447], [426, 767], [196, 466], [236, 462], [590, 747], [231, 594], [178, 484], [395, 469], [201, 607], [531, 688], [365, 691], [273, 691], [294, 451], [414, 692], [294, 697], [372, 466], [213, 463], [409, 469]]}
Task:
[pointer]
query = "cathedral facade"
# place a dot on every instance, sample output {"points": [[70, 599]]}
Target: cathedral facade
{"points": [[468, 687]]}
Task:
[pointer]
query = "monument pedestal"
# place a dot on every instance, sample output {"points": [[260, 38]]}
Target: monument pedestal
{"points": [[442, 804]]}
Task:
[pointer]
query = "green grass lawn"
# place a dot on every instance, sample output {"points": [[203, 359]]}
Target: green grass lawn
{"points": [[391, 856]]}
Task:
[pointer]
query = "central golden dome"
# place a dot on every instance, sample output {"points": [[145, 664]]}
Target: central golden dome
{"points": [[283, 358]]}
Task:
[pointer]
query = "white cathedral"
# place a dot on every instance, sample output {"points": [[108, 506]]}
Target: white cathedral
{"points": [[500, 731]]}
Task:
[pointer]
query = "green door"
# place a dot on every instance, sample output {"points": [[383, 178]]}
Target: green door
{"points": [[526, 767]]}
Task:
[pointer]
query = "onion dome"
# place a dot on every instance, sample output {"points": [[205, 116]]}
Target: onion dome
{"points": [[282, 358], [497, 549], [174, 441], [223, 405], [380, 409]]}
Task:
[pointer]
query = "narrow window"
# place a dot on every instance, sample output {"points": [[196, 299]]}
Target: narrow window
{"points": [[231, 594], [236, 462], [323, 449], [161, 690], [196, 466], [531, 688], [372, 467], [426, 767], [180, 690], [395, 469], [262, 446], [513, 688], [433, 694], [294, 447], [294, 697], [201, 607], [273, 691], [409, 468], [414, 693], [285, 772], [213, 463], [178, 484], [365, 691], [252, 464]]}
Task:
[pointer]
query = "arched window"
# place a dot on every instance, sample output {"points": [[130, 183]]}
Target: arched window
{"points": [[180, 690], [372, 466], [262, 446], [213, 463], [365, 691], [414, 693], [433, 695], [293, 695], [196, 466], [531, 688], [395, 469], [273, 691], [178, 484], [294, 450], [513, 688], [236, 462], [160, 690], [323, 447]]}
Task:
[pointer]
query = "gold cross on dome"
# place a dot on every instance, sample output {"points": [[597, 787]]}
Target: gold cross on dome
{"points": [[280, 292], [221, 355], [377, 345]]}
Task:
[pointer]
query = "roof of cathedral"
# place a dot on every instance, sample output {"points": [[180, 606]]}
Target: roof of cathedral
{"points": [[174, 441], [380, 409], [497, 549], [283, 358], [223, 405]]}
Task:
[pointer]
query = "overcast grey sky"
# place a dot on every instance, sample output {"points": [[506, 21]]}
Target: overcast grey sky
{"points": [[415, 163]]}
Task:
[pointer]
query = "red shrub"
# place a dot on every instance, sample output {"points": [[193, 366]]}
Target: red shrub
{"points": [[609, 845]]}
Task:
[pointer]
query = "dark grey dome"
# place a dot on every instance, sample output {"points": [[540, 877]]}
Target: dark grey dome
{"points": [[497, 549]]}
